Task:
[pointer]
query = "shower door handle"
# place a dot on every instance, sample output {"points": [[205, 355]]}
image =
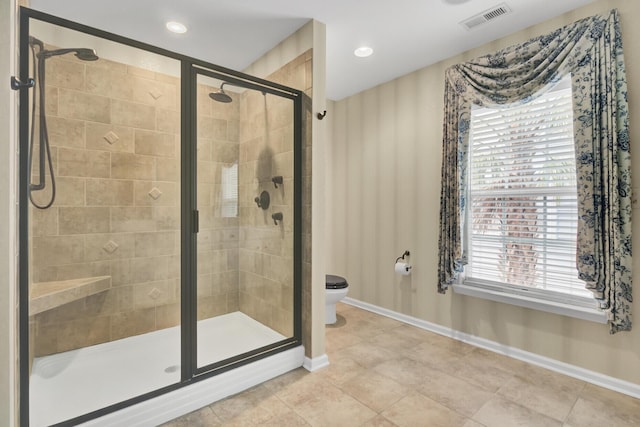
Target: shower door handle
{"points": [[16, 84], [196, 221]]}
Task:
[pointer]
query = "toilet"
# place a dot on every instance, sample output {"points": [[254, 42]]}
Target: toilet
{"points": [[336, 289]]}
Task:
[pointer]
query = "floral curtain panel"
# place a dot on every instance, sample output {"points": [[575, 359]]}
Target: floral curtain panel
{"points": [[591, 50]]}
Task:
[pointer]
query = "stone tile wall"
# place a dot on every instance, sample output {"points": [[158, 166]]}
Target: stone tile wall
{"points": [[115, 138], [218, 136], [266, 249]]}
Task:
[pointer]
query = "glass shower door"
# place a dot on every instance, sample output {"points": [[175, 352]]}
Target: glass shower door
{"points": [[245, 298], [104, 223]]}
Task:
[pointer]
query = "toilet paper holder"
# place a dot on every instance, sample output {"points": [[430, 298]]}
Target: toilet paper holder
{"points": [[402, 267], [406, 253]]}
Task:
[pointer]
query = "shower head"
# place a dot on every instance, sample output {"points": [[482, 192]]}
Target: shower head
{"points": [[221, 95], [83, 54]]}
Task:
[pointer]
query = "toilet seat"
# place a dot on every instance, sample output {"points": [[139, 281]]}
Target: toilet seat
{"points": [[335, 282]]}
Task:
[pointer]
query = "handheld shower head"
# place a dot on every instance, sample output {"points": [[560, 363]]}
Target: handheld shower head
{"points": [[221, 95], [40, 55], [36, 42]]}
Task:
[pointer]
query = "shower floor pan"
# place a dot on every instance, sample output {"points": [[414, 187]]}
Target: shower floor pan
{"points": [[69, 384]]}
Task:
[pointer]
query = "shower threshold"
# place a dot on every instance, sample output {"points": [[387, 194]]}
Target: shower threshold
{"points": [[70, 384]]}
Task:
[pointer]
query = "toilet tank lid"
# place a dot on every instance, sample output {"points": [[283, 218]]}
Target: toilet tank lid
{"points": [[335, 282]]}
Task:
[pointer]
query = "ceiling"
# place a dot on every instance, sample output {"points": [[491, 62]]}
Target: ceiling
{"points": [[405, 34]]}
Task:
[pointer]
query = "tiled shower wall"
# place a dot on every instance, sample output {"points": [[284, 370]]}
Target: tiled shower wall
{"points": [[114, 132], [266, 150], [218, 136]]}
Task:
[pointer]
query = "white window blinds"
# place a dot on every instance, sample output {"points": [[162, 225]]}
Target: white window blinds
{"points": [[522, 202], [229, 205]]}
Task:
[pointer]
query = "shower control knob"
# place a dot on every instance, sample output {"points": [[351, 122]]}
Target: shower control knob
{"points": [[276, 180], [263, 200], [277, 217]]}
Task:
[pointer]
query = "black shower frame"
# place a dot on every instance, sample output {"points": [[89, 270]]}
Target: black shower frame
{"points": [[190, 67]]}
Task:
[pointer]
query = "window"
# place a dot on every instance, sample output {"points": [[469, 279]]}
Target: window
{"points": [[229, 180], [526, 167], [522, 200]]}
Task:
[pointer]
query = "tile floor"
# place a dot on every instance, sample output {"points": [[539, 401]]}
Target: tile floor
{"points": [[386, 373]]}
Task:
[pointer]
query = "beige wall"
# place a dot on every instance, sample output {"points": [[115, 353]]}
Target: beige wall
{"points": [[384, 199], [8, 140], [319, 196]]}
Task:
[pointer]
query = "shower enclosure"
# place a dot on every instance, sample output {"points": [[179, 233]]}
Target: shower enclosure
{"points": [[160, 220]]}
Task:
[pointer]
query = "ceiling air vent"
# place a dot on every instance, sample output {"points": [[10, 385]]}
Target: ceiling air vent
{"points": [[486, 16]]}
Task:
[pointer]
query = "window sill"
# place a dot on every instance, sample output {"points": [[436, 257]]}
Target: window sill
{"points": [[584, 313]]}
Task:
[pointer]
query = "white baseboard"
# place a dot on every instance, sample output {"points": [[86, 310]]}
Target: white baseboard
{"points": [[583, 374], [179, 402], [316, 363]]}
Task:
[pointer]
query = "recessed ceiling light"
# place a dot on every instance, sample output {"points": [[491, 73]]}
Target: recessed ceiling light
{"points": [[176, 27], [363, 52]]}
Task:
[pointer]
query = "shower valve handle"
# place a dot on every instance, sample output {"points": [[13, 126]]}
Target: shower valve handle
{"points": [[276, 180], [277, 217]]}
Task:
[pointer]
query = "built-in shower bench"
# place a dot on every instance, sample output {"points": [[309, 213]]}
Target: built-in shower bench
{"points": [[47, 295]]}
